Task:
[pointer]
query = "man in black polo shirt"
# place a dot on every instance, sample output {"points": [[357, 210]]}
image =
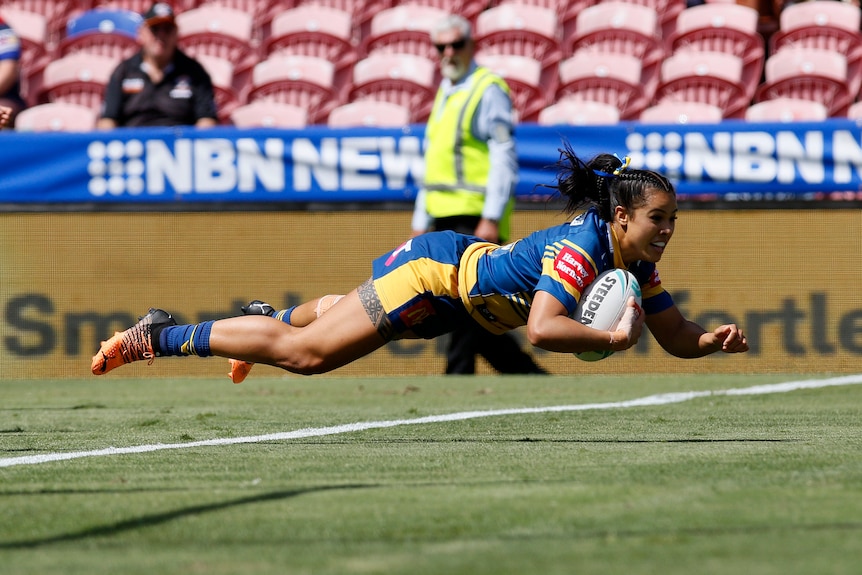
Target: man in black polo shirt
{"points": [[160, 85]]}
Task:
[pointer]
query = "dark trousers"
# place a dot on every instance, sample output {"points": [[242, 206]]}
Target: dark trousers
{"points": [[502, 352]]}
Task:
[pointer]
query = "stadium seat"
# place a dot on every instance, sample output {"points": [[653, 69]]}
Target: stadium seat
{"points": [[568, 16], [369, 113], [808, 74], [786, 110], [405, 79], [681, 113], [520, 30], [56, 117], [708, 77], [32, 31], [524, 75], [668, 12], [106, 31], [55, 12], [826, 26], [621, 28], [78, 78], [575, 112], [404, 29], [303, 81], [854, 112], [612, 79], [728, 28], [219, 31], [266, 114], [313, 30], [469, 9], [221, 73]]}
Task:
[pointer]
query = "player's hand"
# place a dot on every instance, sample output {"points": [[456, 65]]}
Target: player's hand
{"points": [[630, 327], [731, 338]]}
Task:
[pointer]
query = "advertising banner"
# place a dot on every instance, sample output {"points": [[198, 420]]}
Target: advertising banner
{"points": [[72, 279], [732, 161]]}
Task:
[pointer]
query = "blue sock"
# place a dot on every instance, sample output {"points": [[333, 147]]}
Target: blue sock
{"points": [[186, 339], [284, 315]]}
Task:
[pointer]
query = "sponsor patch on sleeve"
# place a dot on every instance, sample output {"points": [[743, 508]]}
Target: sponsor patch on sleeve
{"points": [[574, 269]]}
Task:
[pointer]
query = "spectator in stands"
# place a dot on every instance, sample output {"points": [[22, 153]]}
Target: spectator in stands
{"points": [[160, 85], [10, 73], [5, 114], [471, 168]]}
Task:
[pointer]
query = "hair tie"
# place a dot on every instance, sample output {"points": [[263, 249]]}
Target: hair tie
{"points": [[602, 174], [624, 166]]}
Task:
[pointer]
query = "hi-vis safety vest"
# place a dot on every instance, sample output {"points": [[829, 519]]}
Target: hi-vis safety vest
{"points": [[456, 163]]}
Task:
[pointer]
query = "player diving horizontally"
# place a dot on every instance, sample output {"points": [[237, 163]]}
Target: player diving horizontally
{"points": [[437, 281]]}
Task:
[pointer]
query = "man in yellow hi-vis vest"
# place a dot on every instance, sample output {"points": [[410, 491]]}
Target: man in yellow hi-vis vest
{"points": [[471, 168]]}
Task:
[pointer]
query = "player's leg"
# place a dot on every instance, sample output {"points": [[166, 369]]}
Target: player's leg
{"points": [[337, 338], [349, 331], [298, 316]]}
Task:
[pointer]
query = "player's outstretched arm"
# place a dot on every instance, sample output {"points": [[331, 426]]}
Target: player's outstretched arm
{"points": [[683, 338]]}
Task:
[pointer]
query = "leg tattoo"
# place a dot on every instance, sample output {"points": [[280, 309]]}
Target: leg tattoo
{"points": [[371, 302]]}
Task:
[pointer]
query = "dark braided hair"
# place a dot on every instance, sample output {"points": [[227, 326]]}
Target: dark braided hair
{"points": [[604, 182]]}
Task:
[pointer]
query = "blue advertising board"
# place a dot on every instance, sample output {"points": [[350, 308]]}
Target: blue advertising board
{"points": [[731, 161]]}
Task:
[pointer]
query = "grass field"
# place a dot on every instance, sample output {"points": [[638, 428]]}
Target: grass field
{"points": [[759, 483]]}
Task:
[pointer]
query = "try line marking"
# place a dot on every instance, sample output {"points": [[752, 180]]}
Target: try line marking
{"points": [[659, 399]]}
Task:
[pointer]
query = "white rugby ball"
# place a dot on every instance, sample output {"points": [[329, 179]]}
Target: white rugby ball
{"points": [[603, 304]]}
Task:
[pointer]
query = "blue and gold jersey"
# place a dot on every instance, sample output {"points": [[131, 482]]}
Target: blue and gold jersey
{"points": [[434, 279], [498, 283]]}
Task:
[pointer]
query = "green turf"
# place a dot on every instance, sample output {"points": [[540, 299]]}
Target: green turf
{"points": [[761, 484]]}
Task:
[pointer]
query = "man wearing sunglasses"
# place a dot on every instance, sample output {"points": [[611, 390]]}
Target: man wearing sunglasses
{"points": [[160, 85], [471, 168]]}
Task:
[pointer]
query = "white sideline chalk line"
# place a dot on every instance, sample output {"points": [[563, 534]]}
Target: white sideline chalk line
{"points": [[650, 400]]}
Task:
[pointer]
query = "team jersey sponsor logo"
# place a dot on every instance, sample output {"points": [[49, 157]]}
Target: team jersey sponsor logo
{"points": [[416, 313], [573, 268], [132, 85]]}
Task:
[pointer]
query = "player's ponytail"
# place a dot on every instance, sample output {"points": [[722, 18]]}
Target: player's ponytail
{"points": [[605, 182]]}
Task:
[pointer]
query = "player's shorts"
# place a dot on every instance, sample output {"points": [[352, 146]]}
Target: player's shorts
{"points": [[417, 284]]}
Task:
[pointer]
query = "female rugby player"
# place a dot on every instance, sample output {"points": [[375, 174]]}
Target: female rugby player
{"points": [[436, 281]]}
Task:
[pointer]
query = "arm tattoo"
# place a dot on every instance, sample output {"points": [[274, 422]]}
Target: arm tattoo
{"points": [[371, 302]]}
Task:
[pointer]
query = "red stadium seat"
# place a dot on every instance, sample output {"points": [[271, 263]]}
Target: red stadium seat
{"points": [[78, 78], [575, 112], [708, 77], [524, 75], [56, 117], [369, 113], [621, 28], [520, 30], [313, 30], [808, 74], [32, 31], [854, 112], [55, 12], [219, 31], [728, 28], [786, 110], [404, 79], [668, 11], [616, 80], [303, 81], [403, 30], [826, 26], [681, 113], [221, 73], [266, 114]]}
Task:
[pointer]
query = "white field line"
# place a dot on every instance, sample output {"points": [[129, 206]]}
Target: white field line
{"points": [[650, 400]]}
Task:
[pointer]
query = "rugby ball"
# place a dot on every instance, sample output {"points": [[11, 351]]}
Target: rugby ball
{"points": [[603, 304]]}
